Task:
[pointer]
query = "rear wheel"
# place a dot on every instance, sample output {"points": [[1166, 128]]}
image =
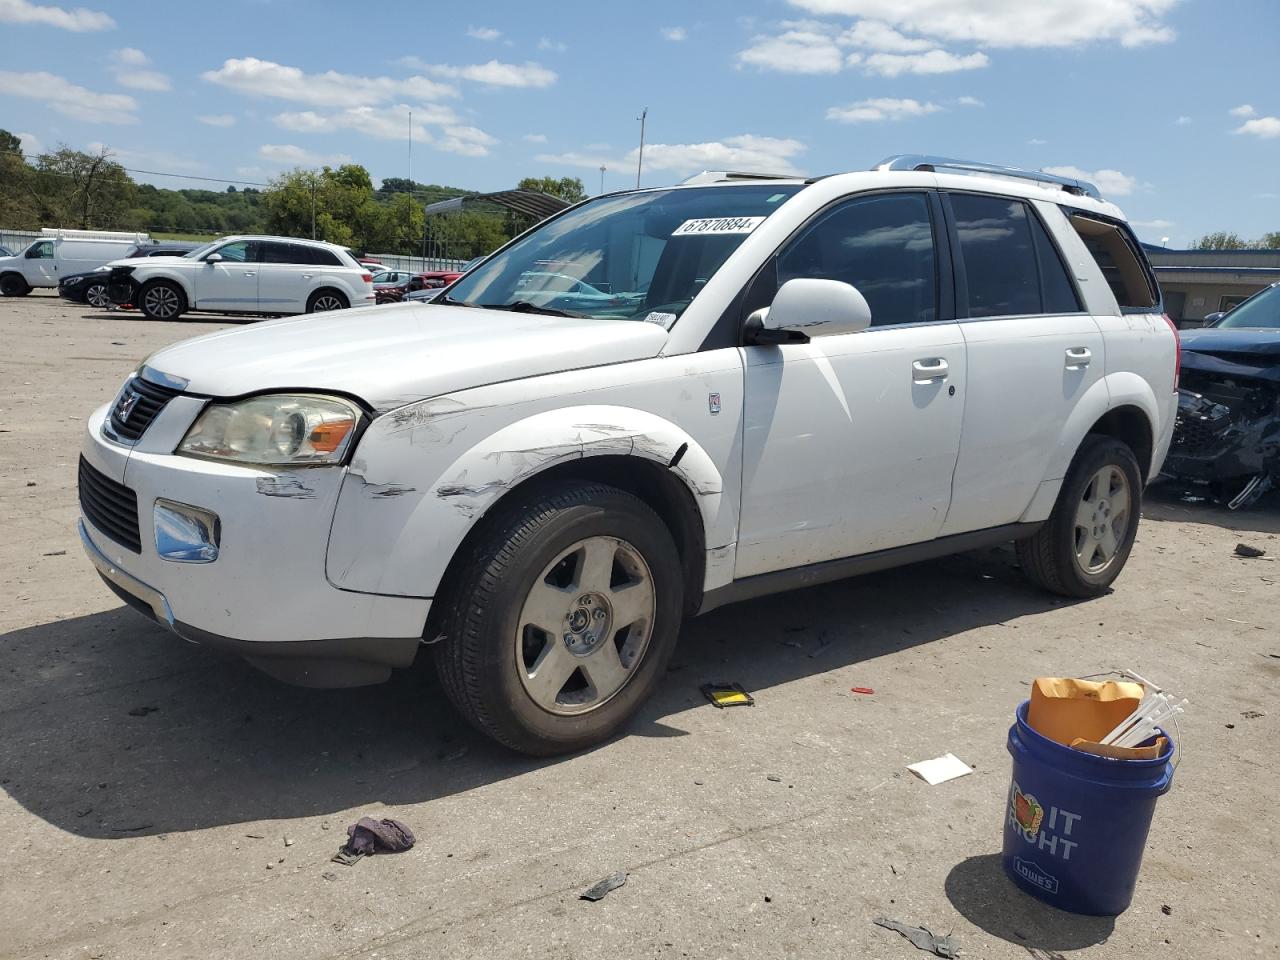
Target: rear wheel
{"points": [[14, 285], [561, 618], [162, 300], [325, 300], [1084, 544]]}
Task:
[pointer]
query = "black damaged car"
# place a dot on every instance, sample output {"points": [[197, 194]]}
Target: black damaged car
{"points": [[1228, 427]]}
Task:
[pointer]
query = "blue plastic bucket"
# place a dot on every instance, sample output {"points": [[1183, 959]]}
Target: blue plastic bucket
{"points": [[1076, 824]]}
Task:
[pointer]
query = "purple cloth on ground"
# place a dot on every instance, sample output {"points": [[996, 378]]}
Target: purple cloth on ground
{"points": [[369, 836]]}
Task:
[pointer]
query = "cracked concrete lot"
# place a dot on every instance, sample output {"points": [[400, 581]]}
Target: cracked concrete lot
{"points": [[159, 802]]}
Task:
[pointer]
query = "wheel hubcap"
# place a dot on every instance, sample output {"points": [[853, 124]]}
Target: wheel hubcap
{"points": [[1102, 519], [162, 301], [585, 626]]}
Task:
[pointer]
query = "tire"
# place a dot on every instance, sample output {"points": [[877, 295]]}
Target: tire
{"points": [[162, 300], [1084, 544], [96, 296], [322, 301], [534, 560], [14, 285]]}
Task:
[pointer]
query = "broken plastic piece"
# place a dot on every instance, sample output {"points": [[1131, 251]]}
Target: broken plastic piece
{"points": [[921, 938], [604, 887], [1244, 550], [940, 769], [727, 695], [866, 690]]}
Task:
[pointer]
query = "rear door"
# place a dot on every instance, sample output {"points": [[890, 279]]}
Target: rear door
{"points": [[850, 441], [287, 277], [231, 283], [1033, 352]]}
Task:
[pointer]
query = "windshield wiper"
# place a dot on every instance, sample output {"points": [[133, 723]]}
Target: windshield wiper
{"points": [[458, 303], [524, 306]]}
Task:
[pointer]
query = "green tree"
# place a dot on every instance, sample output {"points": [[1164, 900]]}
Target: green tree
{"points": [[569, 189], [19, 202], [1270, 241], [9, 143], [85, 190], [1220, 241], [334, 205]]}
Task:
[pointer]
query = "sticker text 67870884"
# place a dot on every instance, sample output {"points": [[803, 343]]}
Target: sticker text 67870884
{"points": [[717, 225]]}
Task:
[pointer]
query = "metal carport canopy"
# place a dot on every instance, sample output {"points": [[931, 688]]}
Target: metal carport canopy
{"points": [[528, 202]]}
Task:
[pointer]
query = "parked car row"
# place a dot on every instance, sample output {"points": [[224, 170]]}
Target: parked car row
{"points": [[656, 403], [61, 253]]}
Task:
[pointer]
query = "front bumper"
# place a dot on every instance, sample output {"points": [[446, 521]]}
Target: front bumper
{"points": [[266, 596]]}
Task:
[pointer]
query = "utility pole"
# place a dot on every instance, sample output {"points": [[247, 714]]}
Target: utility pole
{"points": [[313, 205], [602, 170], [640, 160]]}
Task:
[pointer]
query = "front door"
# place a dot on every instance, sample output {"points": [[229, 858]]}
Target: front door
{"points": [[232, 282], [41, 265], [850, 441]]}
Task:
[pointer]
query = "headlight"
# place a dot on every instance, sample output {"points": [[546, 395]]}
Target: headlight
{"points": [[277, 429]]}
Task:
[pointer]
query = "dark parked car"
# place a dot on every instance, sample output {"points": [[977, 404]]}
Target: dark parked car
{"points": [[1228, 426]]}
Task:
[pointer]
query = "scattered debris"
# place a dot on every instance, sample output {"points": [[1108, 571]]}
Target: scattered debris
{"points": [[1231, 726], [768, 899], [368, 836], [1166, 910], [1253, 714], [863, 690], [604, 887], [140, 827], [773, 778], [54, 553], [697, 783], [921, 938], [31, 483], [940, 769], [724, 695], [143, 711], [256, 836], [288, 841], [1244, 550], [329, 875]]}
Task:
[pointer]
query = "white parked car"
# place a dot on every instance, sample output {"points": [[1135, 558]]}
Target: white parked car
{"points": [[273, 275], [823, 378], [63, 253]]}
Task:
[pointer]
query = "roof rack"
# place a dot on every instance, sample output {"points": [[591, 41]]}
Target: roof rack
{"points": [[721, 176], [908, 161]]}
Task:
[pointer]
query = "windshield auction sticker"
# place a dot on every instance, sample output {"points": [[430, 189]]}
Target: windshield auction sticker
{"points": [[692, 228]]}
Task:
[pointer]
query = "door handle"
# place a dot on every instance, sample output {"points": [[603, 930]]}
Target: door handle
{"points": [[927, 371], [1078, 357], [250, 273], [306, 276]]}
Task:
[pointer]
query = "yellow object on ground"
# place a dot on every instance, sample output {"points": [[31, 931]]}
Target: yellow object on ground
{"points": [[1066, 710]]}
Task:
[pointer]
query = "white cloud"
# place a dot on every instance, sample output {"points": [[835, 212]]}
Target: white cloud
{"points": [[874, 35], [128, 68], [795, 51], [743, 152], [675, 34], [1152, 224], [1268, 128], [1013, 23], [969, 102], [152, 158], [497, 74], [1037, 142], [534, 138], [78, 20], [934, 61], [286, 154], [217, 119], [31, 144], [881, 108], [1110, 182], [545, 43], [483, 33], [468, 141], [382, 123], [1244, 110], [69, 99], [1182, 121], [249, 75]]}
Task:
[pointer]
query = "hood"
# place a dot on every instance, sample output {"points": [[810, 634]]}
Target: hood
{"points": [[1250, 353], [396, 354], [139, 261]]}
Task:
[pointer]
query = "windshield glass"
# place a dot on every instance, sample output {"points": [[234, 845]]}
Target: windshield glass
{"points": [[625, 257], [1261, 311], [199, 252]]}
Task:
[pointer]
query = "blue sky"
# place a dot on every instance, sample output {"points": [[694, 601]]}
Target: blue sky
{"points": [[1172, 106]]}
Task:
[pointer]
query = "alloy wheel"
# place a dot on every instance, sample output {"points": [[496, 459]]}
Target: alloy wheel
{"points": [[96, 296], [1102, 519], [161, 302], [327, 302], [585, 626]]}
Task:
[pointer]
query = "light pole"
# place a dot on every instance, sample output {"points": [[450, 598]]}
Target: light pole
{"points": [[602, 170], [640, 160]]}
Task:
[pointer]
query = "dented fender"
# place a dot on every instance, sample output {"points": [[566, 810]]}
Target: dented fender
{"points": [[395, 530]]}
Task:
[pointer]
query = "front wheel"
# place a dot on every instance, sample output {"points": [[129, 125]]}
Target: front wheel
{"points": [[96, 296], [14, 285], [162, 300], [561, 618], [1084, 544]]}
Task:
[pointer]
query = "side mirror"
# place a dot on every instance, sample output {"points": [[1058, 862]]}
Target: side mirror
{"points": [[1213, 318], [805, 308], [213, 258]]}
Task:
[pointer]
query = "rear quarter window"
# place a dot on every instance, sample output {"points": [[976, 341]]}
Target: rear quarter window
{"points": [[1118, 256]]}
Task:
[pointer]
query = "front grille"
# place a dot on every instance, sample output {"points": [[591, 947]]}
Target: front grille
{"points": [[139, 403], [1192, 434], [111, 507]]}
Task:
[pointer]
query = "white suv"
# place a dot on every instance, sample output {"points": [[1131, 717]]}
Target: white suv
{"points": [[771, 383], [275, 275]]}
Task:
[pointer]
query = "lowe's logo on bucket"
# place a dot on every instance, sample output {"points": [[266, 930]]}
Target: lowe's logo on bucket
{"points": [[1029, 872]]}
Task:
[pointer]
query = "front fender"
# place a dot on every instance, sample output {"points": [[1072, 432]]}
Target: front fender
{"points": [[409, 500]]}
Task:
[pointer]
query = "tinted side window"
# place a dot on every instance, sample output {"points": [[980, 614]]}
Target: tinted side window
{"points": [[1117, 256], [1055, 284], [242, 251], [883, 245], [997, 254], [322, 257]]}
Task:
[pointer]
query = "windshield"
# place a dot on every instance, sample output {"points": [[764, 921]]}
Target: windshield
{"points": [[635, 256], [1259, 312]]}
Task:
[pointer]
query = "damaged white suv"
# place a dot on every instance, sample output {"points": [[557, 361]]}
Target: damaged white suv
{"points": [[655, 403]]}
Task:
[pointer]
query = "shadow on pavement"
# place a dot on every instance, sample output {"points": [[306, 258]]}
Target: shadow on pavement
{"points": [[979, 890], [226, 744], [1171, 500]]}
